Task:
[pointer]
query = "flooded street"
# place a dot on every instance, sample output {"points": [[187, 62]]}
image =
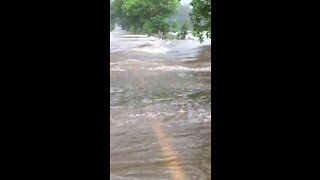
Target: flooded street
{"points": [[160, 98]]}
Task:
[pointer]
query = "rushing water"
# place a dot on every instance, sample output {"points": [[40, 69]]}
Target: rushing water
{"points": [[160, 96]]}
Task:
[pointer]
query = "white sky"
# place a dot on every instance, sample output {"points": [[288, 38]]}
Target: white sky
{"points": [[185, 1]]}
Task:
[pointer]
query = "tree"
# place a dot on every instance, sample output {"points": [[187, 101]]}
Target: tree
{"points": [[117, 16], [152, 14], [201, 17], [184, 29]]}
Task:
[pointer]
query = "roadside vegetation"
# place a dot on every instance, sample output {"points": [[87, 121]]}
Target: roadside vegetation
{"points": [[162, 18]]}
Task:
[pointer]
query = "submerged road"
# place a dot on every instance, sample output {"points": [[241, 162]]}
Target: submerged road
{"points": [[160, 94]]}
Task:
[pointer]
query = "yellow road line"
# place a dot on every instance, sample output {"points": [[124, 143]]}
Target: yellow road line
{"points": [[168, 152]]}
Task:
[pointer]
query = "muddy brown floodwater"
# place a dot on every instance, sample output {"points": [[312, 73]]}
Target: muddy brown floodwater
{"points": [[160, 96]]}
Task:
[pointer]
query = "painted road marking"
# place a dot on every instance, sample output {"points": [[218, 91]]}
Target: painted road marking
{"points": [[168, 152]]}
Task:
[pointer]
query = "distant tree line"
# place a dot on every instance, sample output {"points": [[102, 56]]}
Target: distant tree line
{"points": [[161, 16]]}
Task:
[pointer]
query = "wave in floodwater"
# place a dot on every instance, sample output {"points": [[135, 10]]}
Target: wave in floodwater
{"points": [[181, 68], [151, 48], [147, 44], [160, 108]]}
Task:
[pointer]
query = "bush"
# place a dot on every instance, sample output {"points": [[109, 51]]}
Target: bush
{"points": [[184, 30]]}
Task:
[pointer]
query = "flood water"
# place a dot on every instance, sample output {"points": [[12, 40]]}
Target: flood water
{"points": [[160, 96]]}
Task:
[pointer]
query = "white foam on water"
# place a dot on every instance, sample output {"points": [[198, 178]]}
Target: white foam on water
{"points": [[135, 36], [150, 114], [163, 99], [116, 90], [181, 68], [126, 62], [206, 40], [151, 47], [117, 70], [130, 61], [116, 107]]}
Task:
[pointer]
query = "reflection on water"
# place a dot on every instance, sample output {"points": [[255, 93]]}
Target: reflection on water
{"points": [[160, 96]]}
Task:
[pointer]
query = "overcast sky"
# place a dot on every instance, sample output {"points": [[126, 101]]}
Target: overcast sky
{"points": [[185, 1]]}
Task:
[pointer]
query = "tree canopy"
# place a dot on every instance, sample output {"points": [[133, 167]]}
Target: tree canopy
{"points": [[118, 16], [201, 17], [157, 16], [143, 16]]}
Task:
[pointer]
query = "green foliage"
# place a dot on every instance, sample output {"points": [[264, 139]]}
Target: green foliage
{"points": [[150, 8], [111, 27], [160, 16], [155, 25], [117, 16], [201, 17], [143, 16], [174, 26], [183, 31]]}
